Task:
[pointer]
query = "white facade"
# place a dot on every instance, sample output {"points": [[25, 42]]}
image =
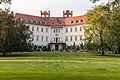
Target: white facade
{"points": [[44, 35], [55, 32]]}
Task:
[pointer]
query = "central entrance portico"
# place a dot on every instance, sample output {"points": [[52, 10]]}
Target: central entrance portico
{"points": [[57, 46]]}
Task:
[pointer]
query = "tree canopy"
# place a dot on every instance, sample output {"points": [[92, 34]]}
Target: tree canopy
{"points": [[104, 19], [14, 34], [5, 1]]}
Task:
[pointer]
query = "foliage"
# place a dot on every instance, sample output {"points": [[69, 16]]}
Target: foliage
{"points": [[5, 1], [96, 18], [111, 36], [114, 28], [14, 34]]}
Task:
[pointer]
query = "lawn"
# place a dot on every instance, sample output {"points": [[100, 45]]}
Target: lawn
{"points": [[59, 66]]}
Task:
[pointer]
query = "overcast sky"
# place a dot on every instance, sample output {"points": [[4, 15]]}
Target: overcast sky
{"points": [[56, 7]]}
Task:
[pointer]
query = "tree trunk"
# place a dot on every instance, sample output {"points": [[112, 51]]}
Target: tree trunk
{"points": [[101, 41], [101, 35]]}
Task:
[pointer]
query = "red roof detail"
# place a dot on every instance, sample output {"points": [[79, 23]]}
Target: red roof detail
{"points": [[51, 21]]}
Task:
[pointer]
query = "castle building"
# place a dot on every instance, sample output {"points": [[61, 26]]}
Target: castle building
{"points": [[55, 32]]}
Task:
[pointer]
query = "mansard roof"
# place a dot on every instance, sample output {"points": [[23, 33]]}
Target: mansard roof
{"points": [[51, 21]]}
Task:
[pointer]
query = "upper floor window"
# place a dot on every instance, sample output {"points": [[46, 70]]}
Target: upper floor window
{"points": [[80, 37], [70, 29], [75, 38], [46, 29], [80, 28], [42, 38], [46, 38], [41, 29], [54, 30], [32, 28], [66, 29], [66, 38], [57, 30], [37, 28], [71, 38], [37, 38], [75, 29]]}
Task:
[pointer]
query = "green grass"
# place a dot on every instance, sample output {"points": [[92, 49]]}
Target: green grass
{"points": [[59, 66]]}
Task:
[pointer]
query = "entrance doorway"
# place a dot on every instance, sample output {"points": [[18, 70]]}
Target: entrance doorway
{"points": [[56, 47]]}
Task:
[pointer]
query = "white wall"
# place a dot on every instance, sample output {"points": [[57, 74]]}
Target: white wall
{"points": [[62, 34]]}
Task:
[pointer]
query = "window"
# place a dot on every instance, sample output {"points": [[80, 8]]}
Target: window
{"points": [[32, 28], [75, 38], [41, 29], [57, 30], [70, 29], [37, 28], [66, 38], [46, 38], [70, 38], [75, 29], [42, 39], [54, 30], [72, 21], [81, 20], [34, 21], [77, 21], [66, 29], [38, 22], [80, 37], [46, 29], [25, 20], [80, 28], [37, 38]]}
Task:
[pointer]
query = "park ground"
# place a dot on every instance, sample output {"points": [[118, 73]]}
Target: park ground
{"points": [[59, 66]]}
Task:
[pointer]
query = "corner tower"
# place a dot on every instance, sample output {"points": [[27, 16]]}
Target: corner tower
{"points": [[45, 14], [67, 13]]}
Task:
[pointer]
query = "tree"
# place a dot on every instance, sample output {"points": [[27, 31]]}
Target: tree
{"points": [[110, 2], [14, 34], [114, 27], [5, 1], [96, 18]]}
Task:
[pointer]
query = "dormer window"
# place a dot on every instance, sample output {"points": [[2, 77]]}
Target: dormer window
{"points": [[72, 21], [34, 21], [25, 20], [81, 20], [77, 21], [38, 22], [29, 21]]}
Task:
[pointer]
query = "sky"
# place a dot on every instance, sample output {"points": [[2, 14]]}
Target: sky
{"points": [[33, 7]]}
